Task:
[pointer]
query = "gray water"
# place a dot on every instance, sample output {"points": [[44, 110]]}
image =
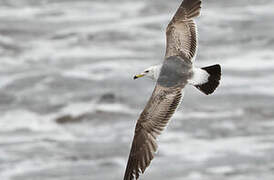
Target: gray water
{"points": [[68, 103]]}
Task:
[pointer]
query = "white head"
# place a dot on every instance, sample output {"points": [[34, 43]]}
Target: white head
{"points": [[151, 72]]}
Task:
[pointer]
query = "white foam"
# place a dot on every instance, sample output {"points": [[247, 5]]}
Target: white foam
{"points": [[77, 109], [5, 81], [195, 175], [98, 71], [220, 169], [95, 11], [225, 124], [200, 150], [19, 12], [206, 115], [37, 164], [263, 9], [43, 125], [6, 40], [76, 73], [252, 61], [122, 25], [118, 108], [46, 50], [22, 119], [238, 81]]}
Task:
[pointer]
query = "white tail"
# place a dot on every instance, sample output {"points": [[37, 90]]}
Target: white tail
{"points": [[206, 79]]}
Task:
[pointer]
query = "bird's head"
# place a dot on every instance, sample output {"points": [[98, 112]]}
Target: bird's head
{"points": [[151, 72]]}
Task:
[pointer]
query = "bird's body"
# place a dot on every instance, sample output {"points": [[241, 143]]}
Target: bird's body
{"points": [[171, 77], [175, 71]]}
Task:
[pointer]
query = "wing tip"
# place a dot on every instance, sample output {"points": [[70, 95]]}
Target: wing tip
{"points": [[139, 160], [193, 8]]}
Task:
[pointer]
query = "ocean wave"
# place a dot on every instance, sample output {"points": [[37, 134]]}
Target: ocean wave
{"points": [[22, 119], [200, 150], [209, 114]]}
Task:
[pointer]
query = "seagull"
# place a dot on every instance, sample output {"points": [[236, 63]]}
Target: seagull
{"points": [[176, 71]]}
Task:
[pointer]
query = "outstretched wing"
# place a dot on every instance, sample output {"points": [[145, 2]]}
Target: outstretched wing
{"points": [[150, 124], [181, 33]]}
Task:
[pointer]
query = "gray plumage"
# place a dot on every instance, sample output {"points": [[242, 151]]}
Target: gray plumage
{"points": [[175, 72]]}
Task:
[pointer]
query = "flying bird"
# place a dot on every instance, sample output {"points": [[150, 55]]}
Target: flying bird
{"points": [[171, 77]]}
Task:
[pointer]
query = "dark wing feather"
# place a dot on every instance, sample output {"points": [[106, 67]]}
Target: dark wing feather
{"points": [[150, 124], [181, 32]]}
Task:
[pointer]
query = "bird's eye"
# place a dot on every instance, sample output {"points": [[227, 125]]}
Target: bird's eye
{"points": [[146, 71]]}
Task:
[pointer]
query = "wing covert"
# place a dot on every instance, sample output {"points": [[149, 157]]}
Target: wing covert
{"points": [[150, 124], [181, 33]]}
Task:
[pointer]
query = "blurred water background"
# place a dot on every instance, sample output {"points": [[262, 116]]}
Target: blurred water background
{"points": [[68, 103]]}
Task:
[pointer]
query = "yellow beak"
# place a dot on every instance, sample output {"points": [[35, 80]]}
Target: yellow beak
{"points": [[138, 76]]}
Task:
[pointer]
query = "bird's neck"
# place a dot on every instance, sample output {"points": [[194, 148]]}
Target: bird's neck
{"points": [[156, 72]]}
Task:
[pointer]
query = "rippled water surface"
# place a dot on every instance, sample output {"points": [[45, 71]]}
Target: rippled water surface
{"points": [[68, 103]]}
